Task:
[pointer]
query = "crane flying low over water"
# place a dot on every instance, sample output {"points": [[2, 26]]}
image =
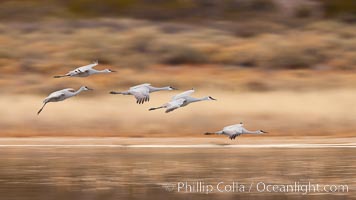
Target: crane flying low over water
{"points": [[142, 92], [85, 71], [61, 95], [181, 100], [236, 130]]}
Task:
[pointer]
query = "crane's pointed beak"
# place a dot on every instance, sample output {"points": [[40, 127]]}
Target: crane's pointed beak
{"points": [[264, 131], [112, 70], [90, 88], [212, 98]]}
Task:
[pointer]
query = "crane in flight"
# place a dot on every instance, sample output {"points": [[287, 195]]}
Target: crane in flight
{"points": [[85, 71], [142, 92], [235, 130], [61, 95], [181, 100]]}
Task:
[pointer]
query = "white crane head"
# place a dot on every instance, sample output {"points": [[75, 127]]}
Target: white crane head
{"points": [[85, 88], [211, 98], [108, 71], [172, 88], [262, 132]]}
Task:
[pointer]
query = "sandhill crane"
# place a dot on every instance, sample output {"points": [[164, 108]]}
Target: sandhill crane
{"points": [[234, 131], [61, 95], [85, 71], [142, 92], [181, 100]]}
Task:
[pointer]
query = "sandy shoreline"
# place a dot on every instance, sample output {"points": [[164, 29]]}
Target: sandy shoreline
{"points": [[181, 142]]}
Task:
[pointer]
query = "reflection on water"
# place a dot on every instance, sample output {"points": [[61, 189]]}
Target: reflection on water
{"points": [[126, 173]]}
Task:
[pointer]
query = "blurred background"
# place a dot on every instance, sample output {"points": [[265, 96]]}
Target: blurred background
{"points": [[284, 66]]}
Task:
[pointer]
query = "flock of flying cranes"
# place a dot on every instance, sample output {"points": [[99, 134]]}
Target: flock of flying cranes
{"points": [[142, 95]]}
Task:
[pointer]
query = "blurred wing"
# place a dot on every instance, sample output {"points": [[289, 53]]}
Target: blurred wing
{"points": [[138, 86], [82, 70], [77, 72], [229, 132], [54, 95], [233, 130], [183, 94], [68, 91], [87, 67], [141, 94], [234, 126], [174, 105]]}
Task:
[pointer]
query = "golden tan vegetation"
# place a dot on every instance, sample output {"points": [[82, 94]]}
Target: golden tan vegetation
{"points": [[32, 52]]}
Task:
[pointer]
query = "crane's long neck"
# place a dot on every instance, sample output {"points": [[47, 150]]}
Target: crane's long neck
{"points": [[78, 91], [250, 132], [155, 89], [104, 71], [199, 99]]}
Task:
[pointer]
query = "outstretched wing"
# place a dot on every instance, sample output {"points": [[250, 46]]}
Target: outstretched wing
{"points": [[229, 132], [141, 94], [183, 94], [87, 67], [234, 129], [174, 105], [234, 126], [138, 86], [82, 70], [55, 95]]}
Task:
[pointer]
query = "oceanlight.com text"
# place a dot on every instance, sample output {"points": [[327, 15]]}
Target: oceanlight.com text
{"points": [[258, 187]]}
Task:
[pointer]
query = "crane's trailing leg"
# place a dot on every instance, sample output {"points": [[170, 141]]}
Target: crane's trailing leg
{"points": [[124, 93], [41, 109], [60, 76], [156, 108]]}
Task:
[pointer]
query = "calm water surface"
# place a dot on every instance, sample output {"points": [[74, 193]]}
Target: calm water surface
{"points": [[42, 173]]}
